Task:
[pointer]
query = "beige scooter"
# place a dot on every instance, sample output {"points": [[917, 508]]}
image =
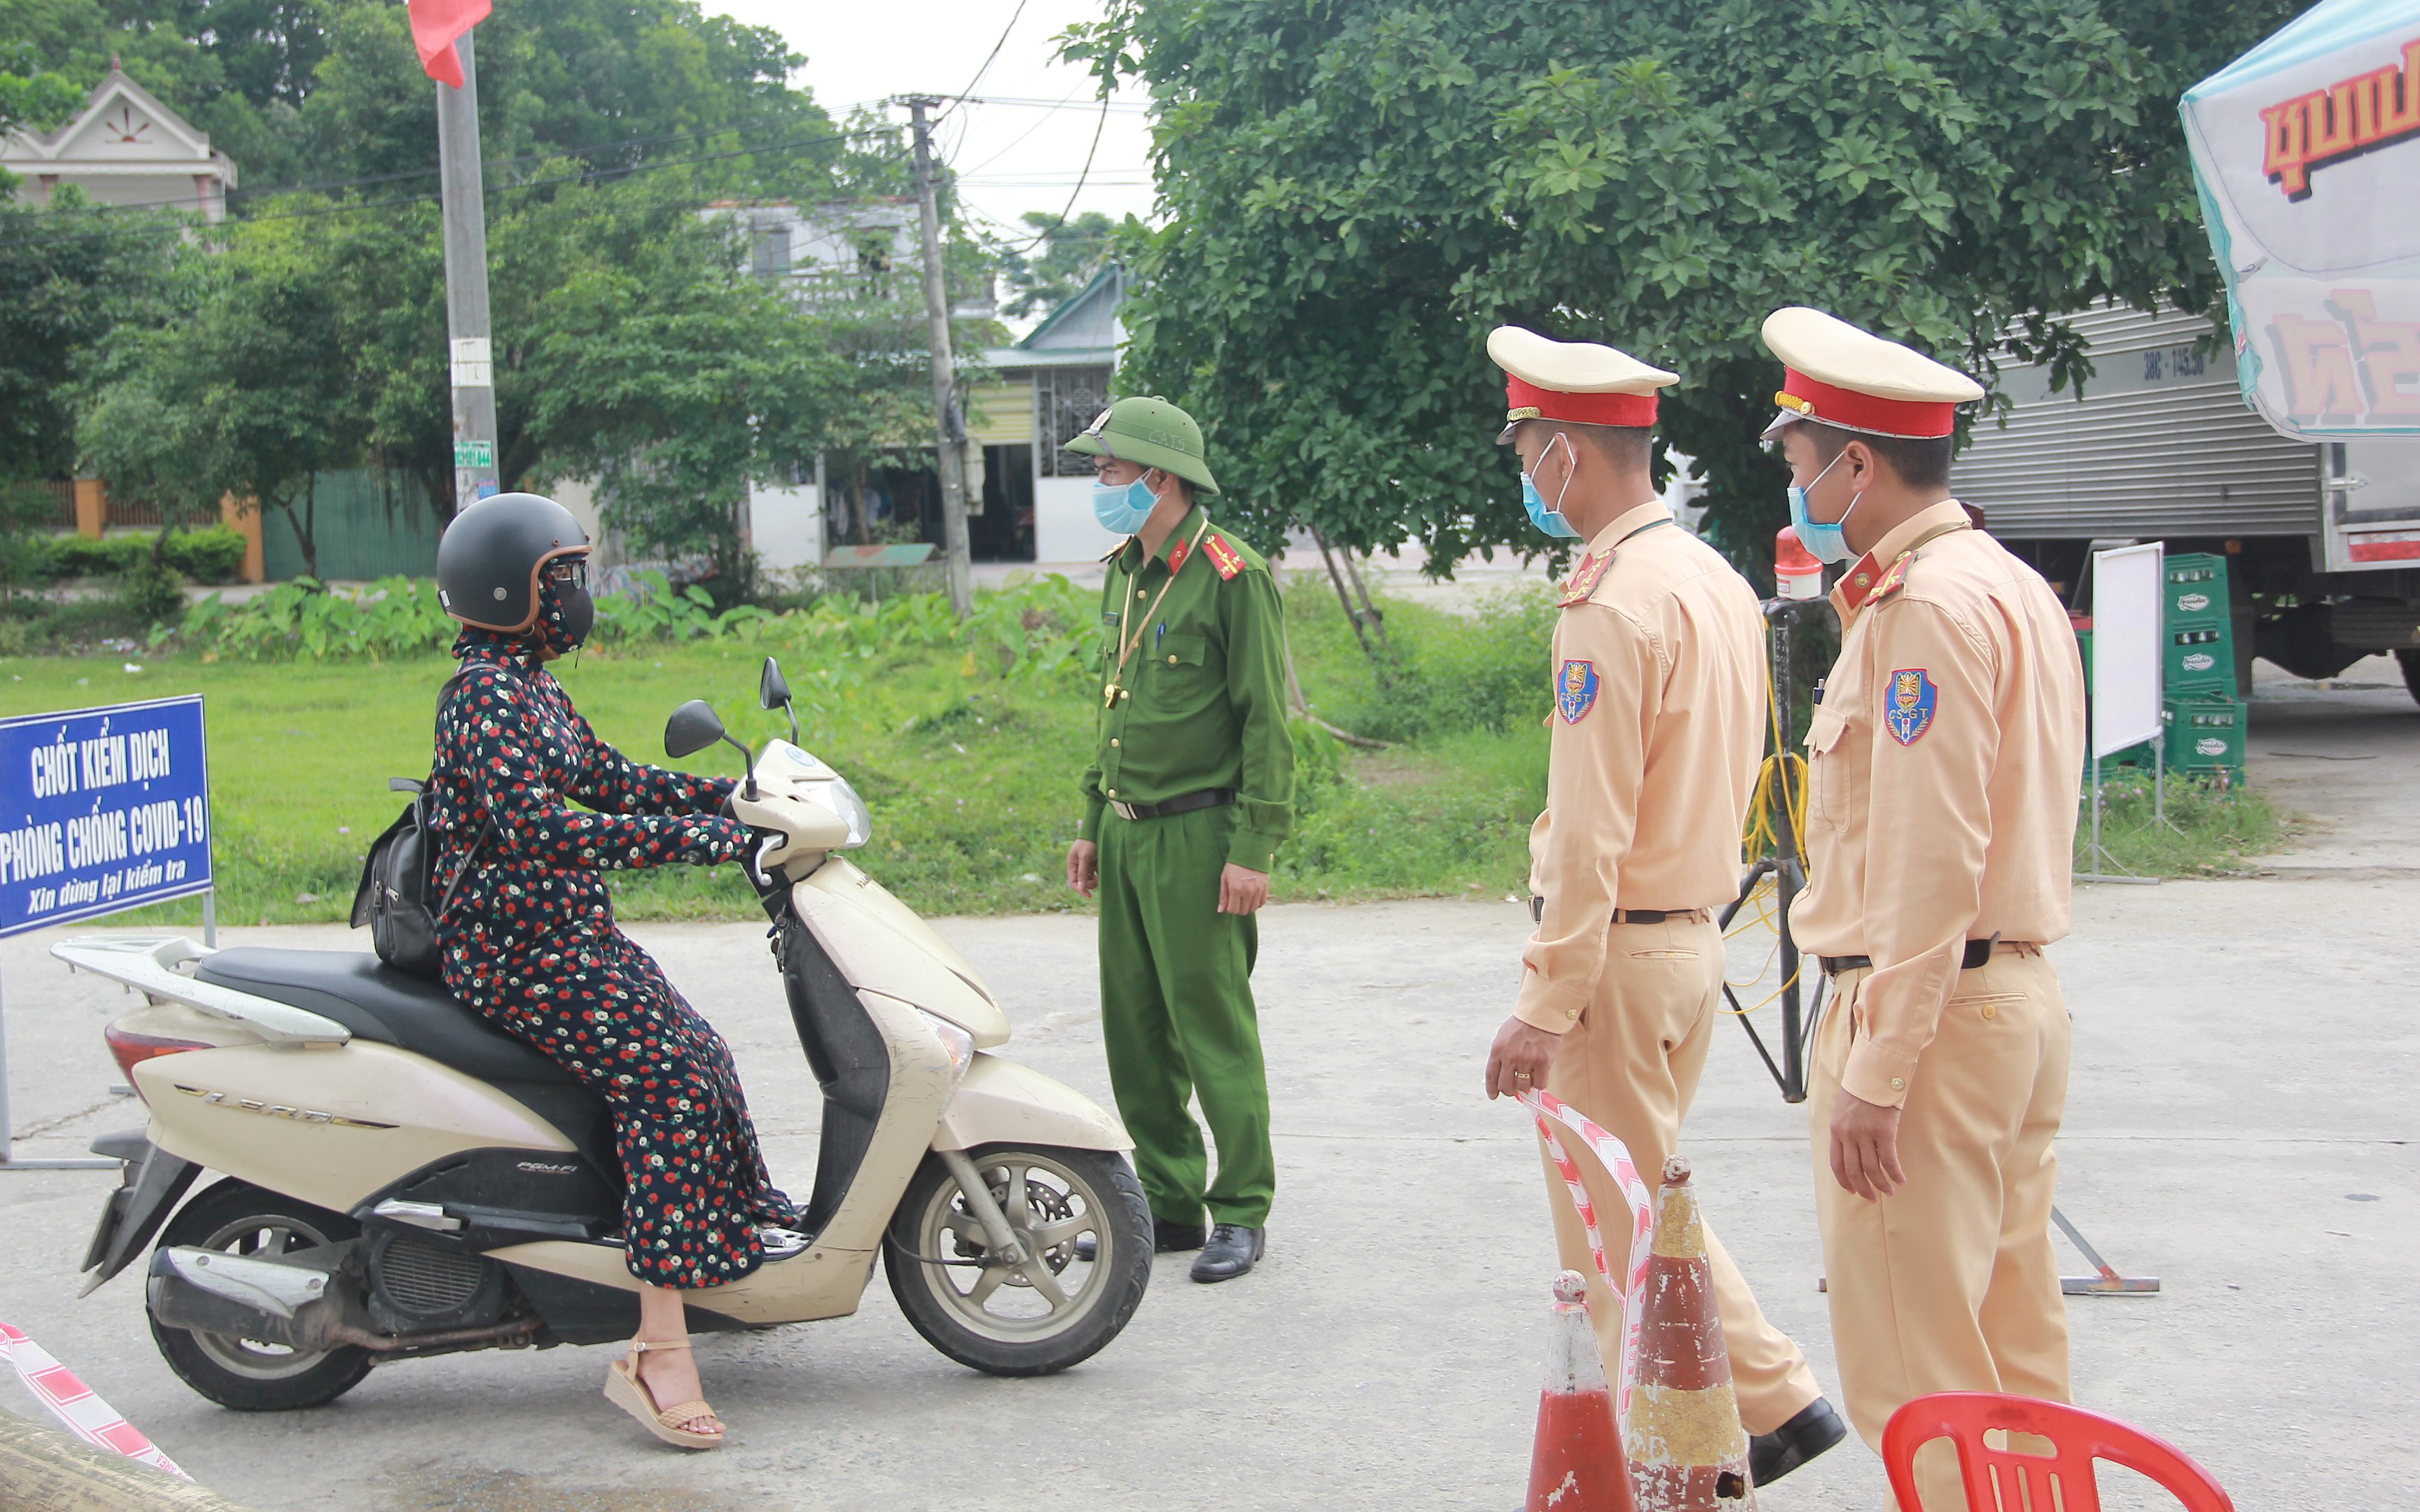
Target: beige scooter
{"points": [[399, 1179]]}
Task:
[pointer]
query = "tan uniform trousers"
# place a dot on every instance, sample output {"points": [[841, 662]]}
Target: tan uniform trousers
{"points": [[1949, 1284], [1631, 1063]]}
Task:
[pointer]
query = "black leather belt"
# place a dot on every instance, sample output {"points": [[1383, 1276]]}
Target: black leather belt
{"points": [[1977, 952], [1628, 916], [1182, 803]]}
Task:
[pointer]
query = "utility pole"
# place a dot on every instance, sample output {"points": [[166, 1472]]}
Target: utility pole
{"points": [[949, 427], [464, 197]]}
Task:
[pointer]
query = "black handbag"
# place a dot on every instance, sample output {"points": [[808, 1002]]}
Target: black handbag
{"points": [[399, 898]]}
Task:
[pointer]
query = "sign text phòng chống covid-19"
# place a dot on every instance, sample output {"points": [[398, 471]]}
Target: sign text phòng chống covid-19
{"points": [[101, 810]]}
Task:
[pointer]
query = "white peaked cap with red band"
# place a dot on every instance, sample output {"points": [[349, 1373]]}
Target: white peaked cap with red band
{"points": [[1835, 373], [1581, 382]]}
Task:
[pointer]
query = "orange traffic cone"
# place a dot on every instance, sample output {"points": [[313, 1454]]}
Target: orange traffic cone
{"points": [[1687, 1450], [1577, 1465]]}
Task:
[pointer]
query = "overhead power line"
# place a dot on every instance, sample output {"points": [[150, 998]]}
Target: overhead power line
{"points": [[1044, 235], [993, 57]]}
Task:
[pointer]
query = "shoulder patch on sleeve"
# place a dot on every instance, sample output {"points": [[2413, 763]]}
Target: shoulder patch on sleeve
{"points": [[1221, 555], [1913, 699], [1575, 688]]}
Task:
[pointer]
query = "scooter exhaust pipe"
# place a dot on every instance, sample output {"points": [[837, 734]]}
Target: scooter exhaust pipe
{"points": [[210, 1292], [299, 1306]]}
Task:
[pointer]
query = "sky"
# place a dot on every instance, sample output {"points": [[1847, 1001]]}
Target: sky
{"points": [[1024, 151]]}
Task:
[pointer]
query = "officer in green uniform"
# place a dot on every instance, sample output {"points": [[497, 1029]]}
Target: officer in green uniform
{"points": [[1190, 792]]}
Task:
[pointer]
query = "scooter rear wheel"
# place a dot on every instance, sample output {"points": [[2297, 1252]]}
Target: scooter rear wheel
{"points": [[993, 1315], [245, 1374]]}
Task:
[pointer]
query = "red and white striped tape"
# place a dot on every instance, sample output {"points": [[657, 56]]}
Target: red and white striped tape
{"points": [[78, 1405], [1549, 1110]]}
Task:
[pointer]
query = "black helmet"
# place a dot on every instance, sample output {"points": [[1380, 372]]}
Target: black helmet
{"points": [[489, 559]]}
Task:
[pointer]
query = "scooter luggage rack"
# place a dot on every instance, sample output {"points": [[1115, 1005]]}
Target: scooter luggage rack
{"points": [[147, 965]]}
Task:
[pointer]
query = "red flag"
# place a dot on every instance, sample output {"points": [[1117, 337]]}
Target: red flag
{"points": [[435, 25]]}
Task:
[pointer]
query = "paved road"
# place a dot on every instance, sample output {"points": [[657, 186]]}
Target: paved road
{"points": [[2242, 1125]]}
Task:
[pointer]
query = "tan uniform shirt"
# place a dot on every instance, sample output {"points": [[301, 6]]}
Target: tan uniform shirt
{"points": [[1944, 760], [1658, 724]]}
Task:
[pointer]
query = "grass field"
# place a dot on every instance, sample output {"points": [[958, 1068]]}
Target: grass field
{"points": [[970, 777]]}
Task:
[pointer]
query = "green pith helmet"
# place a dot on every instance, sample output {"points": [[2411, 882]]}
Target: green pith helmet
{"points": [[1151, 432]]}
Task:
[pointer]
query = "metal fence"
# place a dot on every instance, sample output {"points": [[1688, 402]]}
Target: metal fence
{"points": [[125, 511], [61, 493]]}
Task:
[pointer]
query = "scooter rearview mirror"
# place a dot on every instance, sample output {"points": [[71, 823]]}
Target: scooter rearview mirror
{"points": [[692, 727], [695, 726], [773, 692]]}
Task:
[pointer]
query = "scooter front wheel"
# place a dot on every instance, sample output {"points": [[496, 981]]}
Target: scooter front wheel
{"points": [[1029, 1317]]}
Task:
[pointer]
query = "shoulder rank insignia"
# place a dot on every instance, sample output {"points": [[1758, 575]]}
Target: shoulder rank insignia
{"points": [[1177, 553], [1912, 700], [1583, 581], [1111, 554], [1894, 578], [1575, 688], [1221, 555]]}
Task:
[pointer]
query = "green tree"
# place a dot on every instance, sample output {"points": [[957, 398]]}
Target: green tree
{"points": [[330, 90], [62, 291], [251, 395], [1359, 189], [1071, 253], [32, 96]]}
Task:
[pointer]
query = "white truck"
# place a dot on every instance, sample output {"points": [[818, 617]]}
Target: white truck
{"points": [[2322, 541]]}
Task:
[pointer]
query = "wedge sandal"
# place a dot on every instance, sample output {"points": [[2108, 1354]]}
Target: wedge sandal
{"points": [[624, 1389]]}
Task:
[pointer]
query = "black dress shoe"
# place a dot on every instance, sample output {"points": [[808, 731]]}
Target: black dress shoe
{"points": [[1232, 1250], [1772, 1455], [1166, 1238]]}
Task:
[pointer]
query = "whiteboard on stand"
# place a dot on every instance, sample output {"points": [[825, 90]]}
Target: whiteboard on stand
{"points": [[2126, 599]]}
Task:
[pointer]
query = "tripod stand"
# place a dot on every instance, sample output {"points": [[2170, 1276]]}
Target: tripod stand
{"points": [[1787, 869]]}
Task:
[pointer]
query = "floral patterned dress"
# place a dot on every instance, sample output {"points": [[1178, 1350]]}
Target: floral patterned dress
{"points": [[529, 941]]}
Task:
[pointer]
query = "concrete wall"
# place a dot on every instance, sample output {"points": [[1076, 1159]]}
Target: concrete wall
{"points": [[1063, 527], [786, 526]]}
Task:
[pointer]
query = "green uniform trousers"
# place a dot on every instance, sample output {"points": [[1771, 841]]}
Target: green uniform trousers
{"points": [[1177, 1018]]}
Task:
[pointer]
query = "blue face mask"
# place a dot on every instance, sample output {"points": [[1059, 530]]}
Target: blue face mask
{"points": [[1549, 521], [1826, 541], [1121, 510]]}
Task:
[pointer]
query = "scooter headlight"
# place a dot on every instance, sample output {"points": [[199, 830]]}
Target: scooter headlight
{"points": [[841, 799], [957, 1041]]}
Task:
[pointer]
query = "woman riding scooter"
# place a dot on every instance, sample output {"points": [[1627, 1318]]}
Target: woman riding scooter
{"points": [[529, 938]]}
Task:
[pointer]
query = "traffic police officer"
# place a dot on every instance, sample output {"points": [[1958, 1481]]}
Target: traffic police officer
{"points": [[1943, 765], [1188, 796], [1657, 728]]}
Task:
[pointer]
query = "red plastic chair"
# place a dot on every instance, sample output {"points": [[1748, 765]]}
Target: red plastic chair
{"points": [[2027, 1482]]}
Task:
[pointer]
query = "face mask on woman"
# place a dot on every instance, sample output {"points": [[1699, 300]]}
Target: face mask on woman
{"points": [[566, 612], [1121, 510]]}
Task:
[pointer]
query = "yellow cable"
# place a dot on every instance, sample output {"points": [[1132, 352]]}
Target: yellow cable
{"points": [[1787, 771]]}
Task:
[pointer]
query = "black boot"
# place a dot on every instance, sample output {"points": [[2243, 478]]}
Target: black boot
{"points": [[1232, 1250], [1772, 1455], [1166, 1238]]}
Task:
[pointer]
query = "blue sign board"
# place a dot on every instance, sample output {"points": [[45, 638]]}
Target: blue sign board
{"points": [[101, 810]]}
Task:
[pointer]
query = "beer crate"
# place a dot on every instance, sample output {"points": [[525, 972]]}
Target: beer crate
{"points": [[2203, 734]]}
